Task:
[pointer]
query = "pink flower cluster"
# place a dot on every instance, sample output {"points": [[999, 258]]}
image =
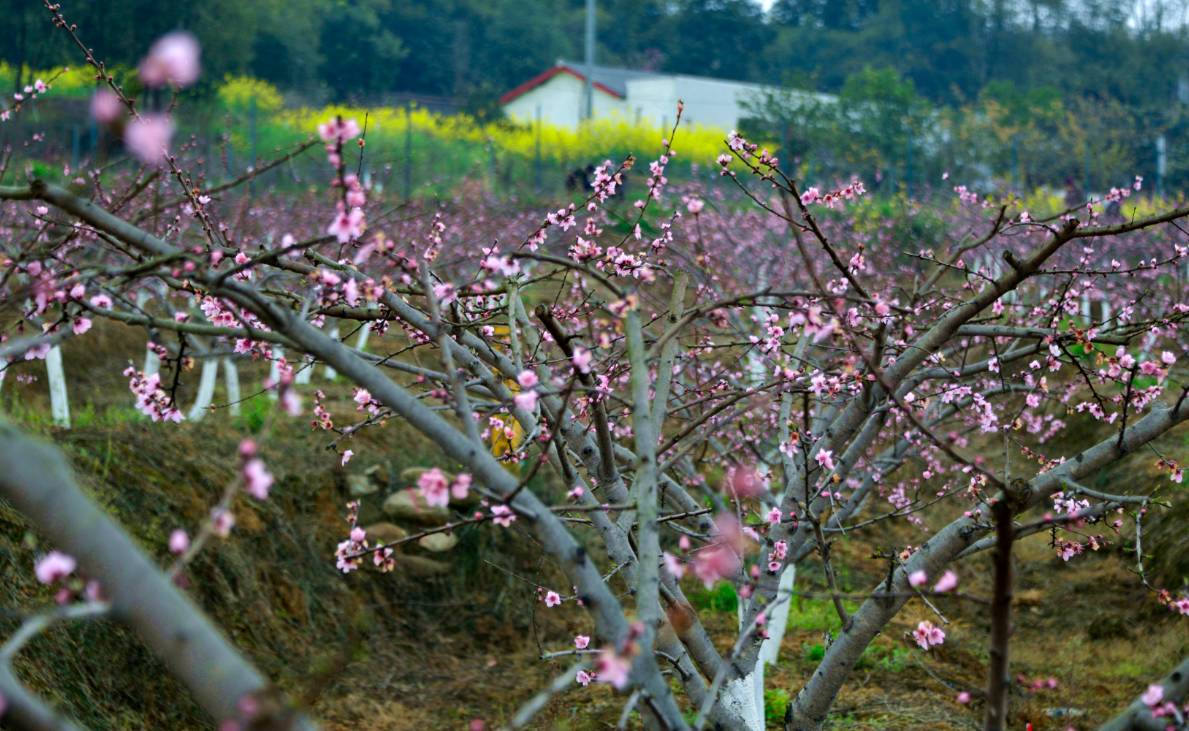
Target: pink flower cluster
{"points": [[437, 490], [927, 635], [151, 399]]}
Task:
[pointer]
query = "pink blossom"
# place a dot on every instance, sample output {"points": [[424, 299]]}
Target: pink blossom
{"points": [[358, 535], [694, 205], [964, 697], [583, 678], [552, 599], [222, 521], [947, 582], [1153, 695], [461, 486], [673, 565], [173, 59], [351, 292], [527, 379], [581, 359], [526, 400], [106, 107], [825, 458], [148, 136], [774, 516], [917, 578], [502, 515], [257, 479], [81, 325], [714, 563], [346, 225], [581, 641], [927, 635], [613, 668], [347, 455], [178, 541], [744, 482], [338, 130], [434, 487], [53, 567]]}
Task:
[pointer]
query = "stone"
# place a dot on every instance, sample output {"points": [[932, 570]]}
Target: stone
{"points": [[379, 475], [360, 485], [384, 532], [406, 506], [420, 566], [439, 542]]}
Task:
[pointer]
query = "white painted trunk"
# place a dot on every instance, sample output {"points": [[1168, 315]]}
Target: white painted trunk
{"points": [[745, 696], [59, 400], [740, 697], [231, 376], [206, 389], [778, 622], [305, 372], [364, 332], [274, 371], [152, 364], [331, 373]]}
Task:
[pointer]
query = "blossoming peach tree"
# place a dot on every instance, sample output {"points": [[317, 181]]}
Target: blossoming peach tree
{"points": [[717, 384]]}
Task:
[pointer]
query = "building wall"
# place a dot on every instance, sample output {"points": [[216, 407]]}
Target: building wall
{"points": [[560, 101], [653, 100]]}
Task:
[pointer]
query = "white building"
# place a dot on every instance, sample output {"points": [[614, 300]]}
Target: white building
{"points": [[556, 97]]}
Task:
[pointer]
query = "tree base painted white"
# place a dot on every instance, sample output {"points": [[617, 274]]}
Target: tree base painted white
{"points": [[206, 390], [331, 373], [231, 376], [364, 332], [739, 697], [745, 696], [274, 372], [779, 619], [59, 399], [305, 371], [152, 363]]}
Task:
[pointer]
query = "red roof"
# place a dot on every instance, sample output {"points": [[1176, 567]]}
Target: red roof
{"points": [[545, 76]]}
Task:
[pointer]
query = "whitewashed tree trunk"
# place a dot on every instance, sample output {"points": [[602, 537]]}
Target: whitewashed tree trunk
{"points": [[152, 363], [739, 696], [59, 400], [745, 695], [274, 371], [364, 332], [231, 377], [206, 389], [331, 373], [755, 361], [305, 372]]}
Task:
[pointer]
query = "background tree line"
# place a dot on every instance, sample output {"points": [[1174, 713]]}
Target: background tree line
{"points": [[1091, 82]]}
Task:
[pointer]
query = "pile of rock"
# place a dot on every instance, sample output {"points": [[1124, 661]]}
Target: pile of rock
{"points": [[393, 510]]}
